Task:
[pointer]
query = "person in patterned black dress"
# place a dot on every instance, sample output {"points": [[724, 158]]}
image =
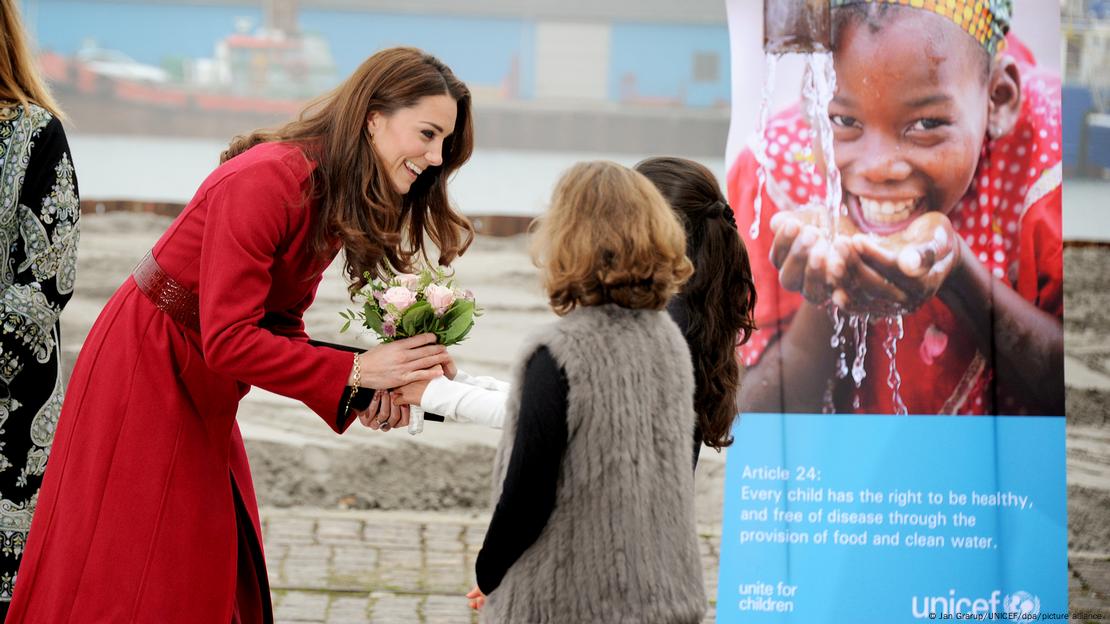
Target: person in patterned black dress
{"points": [[38, 250]]}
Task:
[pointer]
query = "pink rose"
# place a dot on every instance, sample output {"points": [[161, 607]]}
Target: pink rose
{"points": [[439, 297], [408, 280], [399, 297]]}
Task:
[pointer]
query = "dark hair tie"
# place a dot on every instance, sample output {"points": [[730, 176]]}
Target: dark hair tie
{"points": [[721, 209]]}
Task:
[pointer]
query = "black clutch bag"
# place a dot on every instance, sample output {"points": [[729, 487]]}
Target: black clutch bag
{"points": [[362, 399]]}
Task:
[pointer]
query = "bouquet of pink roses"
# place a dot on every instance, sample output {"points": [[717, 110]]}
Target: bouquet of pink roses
{"points": [[409, 304]]}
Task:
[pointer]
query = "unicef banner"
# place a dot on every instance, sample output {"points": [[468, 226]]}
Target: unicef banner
{"points": [[881, 519], [895, 170]]}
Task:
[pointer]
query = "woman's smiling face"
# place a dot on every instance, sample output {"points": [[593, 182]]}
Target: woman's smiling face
{"points": [[409, 140], [909, 116]]}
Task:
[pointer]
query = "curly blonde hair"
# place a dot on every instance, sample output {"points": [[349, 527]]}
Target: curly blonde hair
{"points": [[609, 237]]}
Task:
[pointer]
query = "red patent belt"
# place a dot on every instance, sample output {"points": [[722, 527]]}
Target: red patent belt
{"points": [[177, 301]]}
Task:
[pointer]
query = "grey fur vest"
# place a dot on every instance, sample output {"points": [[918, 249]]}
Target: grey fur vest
{"points": [[621, 544]]}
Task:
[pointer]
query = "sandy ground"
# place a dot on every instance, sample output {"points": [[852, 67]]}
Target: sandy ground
{"points": [[297, 461]]}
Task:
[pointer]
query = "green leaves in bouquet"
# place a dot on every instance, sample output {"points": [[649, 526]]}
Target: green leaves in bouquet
{"points": [[456, 323], [351, 315], [417, 319], [427, 276], [372, 318]]}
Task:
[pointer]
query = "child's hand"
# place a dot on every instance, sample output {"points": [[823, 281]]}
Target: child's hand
{"points": [[477, 598], [897, 273], [410, 394], [800, 252]]}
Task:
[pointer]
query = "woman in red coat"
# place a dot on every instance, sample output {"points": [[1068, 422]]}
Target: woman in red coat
{"points": [[147, 512]]}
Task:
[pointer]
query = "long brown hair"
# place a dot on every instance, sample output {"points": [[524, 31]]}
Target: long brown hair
{"points": [[19, 78], [609, 237], [719, 299], [356, 202]]}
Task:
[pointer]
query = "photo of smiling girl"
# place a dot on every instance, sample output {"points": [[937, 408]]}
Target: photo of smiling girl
{"points": [[947, 137]]}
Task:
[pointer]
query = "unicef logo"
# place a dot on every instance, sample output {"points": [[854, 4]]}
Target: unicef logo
{"points": [[1019, 606], [1022, 604]]}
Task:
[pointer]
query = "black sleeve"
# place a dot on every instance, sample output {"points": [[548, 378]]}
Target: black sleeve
{"points": [[679, 310], [697, 444], [528, 493], [362, 399]]}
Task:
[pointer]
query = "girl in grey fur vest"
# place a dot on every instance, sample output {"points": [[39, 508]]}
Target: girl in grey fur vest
{"points": [[594, 516]]}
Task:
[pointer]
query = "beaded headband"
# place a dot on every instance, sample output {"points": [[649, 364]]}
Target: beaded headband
{"points": [[987, 21]]}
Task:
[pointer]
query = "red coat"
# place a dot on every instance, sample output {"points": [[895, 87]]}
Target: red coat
{"points": [[136, 518]]}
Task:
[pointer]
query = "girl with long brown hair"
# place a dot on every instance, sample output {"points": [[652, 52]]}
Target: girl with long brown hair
{"points": [[39, 213], [147, 512], [714, 309]]}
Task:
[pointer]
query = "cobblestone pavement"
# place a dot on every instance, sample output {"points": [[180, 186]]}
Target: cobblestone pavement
{"points": [[356, 567], [371, 567]]}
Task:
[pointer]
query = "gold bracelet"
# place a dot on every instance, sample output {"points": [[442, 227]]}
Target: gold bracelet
{"points": [[356, 378]]}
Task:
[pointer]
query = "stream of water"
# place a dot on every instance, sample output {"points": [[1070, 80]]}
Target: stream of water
{"points": [[818, 87]]}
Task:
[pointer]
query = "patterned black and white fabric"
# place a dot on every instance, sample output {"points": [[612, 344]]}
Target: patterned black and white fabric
{"points": [[39, 212]]}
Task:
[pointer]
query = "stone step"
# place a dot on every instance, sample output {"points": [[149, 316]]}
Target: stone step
{"points": [[1079, 375]]}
